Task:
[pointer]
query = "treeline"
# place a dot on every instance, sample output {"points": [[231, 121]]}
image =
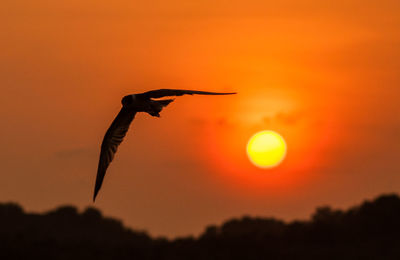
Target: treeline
{"points": [[368, 231]]}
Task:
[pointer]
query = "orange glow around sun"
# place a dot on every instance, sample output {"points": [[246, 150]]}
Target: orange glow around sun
{"points": [[270, 164]]}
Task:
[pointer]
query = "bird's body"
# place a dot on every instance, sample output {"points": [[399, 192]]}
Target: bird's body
{"points": [[132, 104]]}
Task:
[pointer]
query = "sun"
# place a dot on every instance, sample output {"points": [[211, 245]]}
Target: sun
{"points": [[266, 149]]}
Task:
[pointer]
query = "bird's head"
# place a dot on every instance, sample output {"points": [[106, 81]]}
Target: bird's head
{"points": [[135, 103], [128, 100]]}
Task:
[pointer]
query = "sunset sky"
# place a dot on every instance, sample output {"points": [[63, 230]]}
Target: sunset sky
{"points": [[323, 74]]}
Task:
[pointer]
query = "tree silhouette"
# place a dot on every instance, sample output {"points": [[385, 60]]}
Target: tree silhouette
{"points": [[368, 231]]}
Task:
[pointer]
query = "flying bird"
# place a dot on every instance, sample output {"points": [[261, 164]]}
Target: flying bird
{"points": [[131, 104]]}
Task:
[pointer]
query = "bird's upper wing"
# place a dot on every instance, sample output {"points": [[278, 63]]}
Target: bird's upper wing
{"points": [[176, 92], [113, 137]]}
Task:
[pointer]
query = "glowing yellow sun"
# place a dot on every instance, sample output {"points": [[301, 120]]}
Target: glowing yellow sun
{"points": [[266, 149]]}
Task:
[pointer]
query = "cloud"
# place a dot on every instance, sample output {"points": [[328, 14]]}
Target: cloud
{"points": [[283, 118], [72, 153]]}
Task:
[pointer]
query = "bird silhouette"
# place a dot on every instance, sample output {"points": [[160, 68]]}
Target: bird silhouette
{"points": [[131, 104]]}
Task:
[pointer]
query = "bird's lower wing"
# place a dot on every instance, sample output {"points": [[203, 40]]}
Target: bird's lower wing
{"points": [[113, 137], [177, 92]]}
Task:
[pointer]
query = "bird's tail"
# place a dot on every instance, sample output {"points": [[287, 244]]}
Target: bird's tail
{"points": [[158, 105]]}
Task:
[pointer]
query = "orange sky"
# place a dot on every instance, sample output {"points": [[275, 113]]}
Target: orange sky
{"points": [[324, 74]]}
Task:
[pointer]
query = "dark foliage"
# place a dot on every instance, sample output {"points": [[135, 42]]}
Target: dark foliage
{"points": [[368, 231]]}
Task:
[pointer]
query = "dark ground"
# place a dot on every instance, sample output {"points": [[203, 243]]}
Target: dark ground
{"points": [[368, 231]]}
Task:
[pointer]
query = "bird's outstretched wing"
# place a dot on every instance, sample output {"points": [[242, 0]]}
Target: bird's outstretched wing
{"points": [[176, 92], [113, 137]]}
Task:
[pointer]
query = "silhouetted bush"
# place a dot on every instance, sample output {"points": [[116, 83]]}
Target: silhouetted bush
{"points": [[368, 231]]}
